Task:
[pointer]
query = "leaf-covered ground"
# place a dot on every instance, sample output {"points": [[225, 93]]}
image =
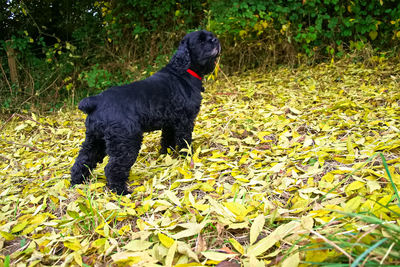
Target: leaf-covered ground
{"points": [[287, 171]]}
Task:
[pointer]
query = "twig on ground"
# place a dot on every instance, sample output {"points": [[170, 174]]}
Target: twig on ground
{"points": [[29, 118], [387, 253], [5, 123], [333, 244], [28, 146]]}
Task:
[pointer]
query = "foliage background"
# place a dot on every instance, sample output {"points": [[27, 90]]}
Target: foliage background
{"points": [[68, 49]]}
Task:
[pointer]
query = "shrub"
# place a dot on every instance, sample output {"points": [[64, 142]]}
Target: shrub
{"points": [[310, 27]]}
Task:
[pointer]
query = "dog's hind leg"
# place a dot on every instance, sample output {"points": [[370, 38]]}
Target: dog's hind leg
{"points": [[167, 139], [123, 152], [92, 152]]}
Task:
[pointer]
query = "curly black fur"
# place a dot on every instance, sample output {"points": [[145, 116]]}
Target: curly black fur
{"points": [[169, 101]]}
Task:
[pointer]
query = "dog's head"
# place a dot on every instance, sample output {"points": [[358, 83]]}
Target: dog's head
{"points": [[197, 51]]}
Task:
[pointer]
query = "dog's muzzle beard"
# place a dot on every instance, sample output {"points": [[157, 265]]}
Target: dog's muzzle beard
{"points": [[209, 62], [217, 50]]}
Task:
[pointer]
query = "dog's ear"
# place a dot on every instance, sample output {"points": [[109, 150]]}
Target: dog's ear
{"points": [[181, 60]]}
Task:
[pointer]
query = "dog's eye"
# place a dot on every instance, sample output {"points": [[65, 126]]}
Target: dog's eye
{"points": [[202, 38]]}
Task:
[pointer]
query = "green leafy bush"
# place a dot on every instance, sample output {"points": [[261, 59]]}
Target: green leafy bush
{"points": [[310, 26], [97, 78]]}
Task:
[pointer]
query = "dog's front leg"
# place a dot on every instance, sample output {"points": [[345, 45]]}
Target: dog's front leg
{"points": [[167, 139], [184, 138]]}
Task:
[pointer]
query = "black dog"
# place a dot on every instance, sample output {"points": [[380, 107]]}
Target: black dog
{"points": [[169, 101]]}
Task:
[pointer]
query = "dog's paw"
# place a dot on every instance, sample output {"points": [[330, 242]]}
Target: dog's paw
{"points": [[167, 150], [124, 192], [73, 183], [119, 190], [185, 152]]}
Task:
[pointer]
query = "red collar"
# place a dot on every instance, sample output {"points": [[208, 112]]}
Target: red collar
{"points": [[194, 74]]}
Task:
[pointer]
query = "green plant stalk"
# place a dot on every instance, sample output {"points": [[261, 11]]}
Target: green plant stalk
{"points": [[390, 178], [92, 211]]}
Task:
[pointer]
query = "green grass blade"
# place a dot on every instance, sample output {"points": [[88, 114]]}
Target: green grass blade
{"points": [[7, 261], [365, 253], [390, 178]]}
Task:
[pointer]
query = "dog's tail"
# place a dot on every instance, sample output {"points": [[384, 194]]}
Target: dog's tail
{"points": [[88, 104]]}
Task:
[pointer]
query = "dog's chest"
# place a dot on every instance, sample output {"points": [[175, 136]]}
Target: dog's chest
{"points": [[189, 104], [179, 109]]}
